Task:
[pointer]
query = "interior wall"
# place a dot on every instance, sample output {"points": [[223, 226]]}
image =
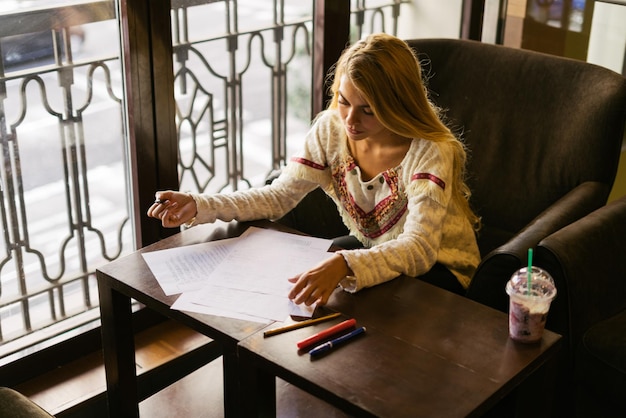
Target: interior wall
{"points": [[430, 19], [619, 187], [607, 40], [607, 47]]}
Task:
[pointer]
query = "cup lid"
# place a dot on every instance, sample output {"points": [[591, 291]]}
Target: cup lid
{"points": [[541, 284]]}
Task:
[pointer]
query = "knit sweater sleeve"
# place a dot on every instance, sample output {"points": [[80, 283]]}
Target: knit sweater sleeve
{"points": [[267, 202], [304, 172]]}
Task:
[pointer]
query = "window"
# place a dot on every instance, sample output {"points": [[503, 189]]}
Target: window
{"points": [[77, 174], [64, 165]]}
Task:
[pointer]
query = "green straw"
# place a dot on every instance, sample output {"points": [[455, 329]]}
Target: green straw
{"points": [[529, 274]]}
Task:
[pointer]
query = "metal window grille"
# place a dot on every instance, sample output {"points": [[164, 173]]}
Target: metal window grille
{"points": [[243, 103]]}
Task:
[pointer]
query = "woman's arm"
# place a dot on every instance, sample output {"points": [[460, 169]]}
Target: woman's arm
{"points": [[413, 252], [268, 202]]}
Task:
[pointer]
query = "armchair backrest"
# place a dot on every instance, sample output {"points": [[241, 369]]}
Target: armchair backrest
{"points": [[536, 126]]}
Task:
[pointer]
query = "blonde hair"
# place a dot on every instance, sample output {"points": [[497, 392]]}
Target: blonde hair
{"points": [[386, 71]]}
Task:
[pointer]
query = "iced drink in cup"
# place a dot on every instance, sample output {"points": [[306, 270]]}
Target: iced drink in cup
{"points": [[528, 307]]}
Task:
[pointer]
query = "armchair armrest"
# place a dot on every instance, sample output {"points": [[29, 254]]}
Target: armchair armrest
{"points": [[588, 262], [495, 269]]}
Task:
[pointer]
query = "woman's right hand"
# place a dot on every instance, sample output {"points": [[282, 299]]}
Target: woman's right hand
{"points": [[173, 208]]}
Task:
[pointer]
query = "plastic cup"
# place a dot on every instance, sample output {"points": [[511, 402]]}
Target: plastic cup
{"points": [[528, 308]]}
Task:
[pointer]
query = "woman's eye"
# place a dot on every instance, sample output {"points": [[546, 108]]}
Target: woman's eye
{"points": [[368, 111]]}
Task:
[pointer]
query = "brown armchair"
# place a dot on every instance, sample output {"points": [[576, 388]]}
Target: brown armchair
{"points": [[544, 136], [15, 405]]}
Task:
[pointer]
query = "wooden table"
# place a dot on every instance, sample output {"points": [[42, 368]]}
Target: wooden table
{"points": [[426, 353], [130, 278]]}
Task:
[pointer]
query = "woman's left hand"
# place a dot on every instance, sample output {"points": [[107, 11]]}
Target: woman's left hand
{"points": [[317, 284], [173, 208]]}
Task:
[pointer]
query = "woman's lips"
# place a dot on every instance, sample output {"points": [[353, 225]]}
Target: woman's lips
{"points": [[352, 131]]}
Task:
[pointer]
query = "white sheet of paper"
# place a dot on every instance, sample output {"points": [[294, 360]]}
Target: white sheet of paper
{"points": [[262, 305], [265, 259], [186, 268], [185, 302], [253, 275], [244, 277]]}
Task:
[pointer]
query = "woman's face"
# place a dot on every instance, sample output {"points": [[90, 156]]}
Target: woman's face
{"points": [[357, 116]]}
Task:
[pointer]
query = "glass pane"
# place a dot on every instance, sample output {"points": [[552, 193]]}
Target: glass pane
{"points": [[63, 166], [243, 90], [242, 87], [607, 42]]}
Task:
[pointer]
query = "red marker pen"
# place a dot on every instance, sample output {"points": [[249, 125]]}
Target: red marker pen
{"points": [[322, 335]]}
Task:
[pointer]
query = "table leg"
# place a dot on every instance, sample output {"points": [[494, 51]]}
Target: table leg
{"points": [[535, 395], [118, 347], [258, 387], [232, 400], [247, 391]]}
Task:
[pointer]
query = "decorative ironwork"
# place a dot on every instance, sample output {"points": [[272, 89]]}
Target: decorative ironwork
{"points": [[377, 19], [215, 115], [242, 88], [55, 227]]}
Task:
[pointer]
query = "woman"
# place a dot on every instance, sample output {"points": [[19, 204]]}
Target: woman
{"points": [[393, 168]]}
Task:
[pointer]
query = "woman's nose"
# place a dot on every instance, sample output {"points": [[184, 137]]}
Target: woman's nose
{"points": [[352, 117]]}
